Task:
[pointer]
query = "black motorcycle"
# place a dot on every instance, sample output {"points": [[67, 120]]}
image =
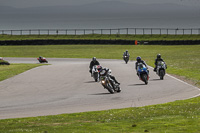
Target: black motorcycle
{"points": [[126, 58], [108, 83]]}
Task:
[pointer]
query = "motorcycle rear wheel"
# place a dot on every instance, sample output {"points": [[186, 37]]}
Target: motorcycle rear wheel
{"points": [[118, 89]]}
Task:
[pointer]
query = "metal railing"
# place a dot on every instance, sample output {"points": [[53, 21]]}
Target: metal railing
{"points": [[119, 31]]}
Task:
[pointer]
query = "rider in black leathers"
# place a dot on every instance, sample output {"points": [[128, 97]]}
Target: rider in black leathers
{"points": [[92, 63], [156, 61], [105, 71], [126, 53]]}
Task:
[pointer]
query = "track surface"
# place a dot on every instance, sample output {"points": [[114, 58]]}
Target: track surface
{"points": [[67, 87]]}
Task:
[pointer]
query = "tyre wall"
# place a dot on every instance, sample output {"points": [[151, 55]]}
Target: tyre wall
{"points": [[103, 42]]}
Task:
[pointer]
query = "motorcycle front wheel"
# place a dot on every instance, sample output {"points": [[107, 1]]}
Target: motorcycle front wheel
{"points": [[110, 88], [144, 78], [162, 73]]}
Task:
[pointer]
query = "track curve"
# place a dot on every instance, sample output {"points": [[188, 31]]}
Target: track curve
{"points": [[67, 87]]}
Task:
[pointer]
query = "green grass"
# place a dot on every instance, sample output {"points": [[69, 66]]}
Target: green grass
{"points": [[179, 116], [7, 71], [98, 36]]}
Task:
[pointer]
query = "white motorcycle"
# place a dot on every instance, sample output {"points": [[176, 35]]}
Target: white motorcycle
{"points": [[161, 66], [95, 73]]}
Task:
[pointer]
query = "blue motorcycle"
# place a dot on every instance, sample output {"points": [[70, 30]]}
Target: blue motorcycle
{"points": [[143, 73]]}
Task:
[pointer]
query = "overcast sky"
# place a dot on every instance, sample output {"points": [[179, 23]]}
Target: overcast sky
{"points": [[35, 3]]}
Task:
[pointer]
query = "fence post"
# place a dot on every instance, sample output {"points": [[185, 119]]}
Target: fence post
{"points": [[11, 32], [110, 31], [151, 31], [191, 31], [84, 31], [127, 32], [143, 31], [167, 32], [92, 32], [21, 32], [101, 31], [183, 31], [66, 32], [160, 32], [135, 31], [75, 32]]}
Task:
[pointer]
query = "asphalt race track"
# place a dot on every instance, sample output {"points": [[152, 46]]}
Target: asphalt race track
{"points": [[66, 86]]}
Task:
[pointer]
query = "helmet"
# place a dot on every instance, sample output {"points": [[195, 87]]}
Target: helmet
{"points": [[94, 59], [126, 50], [138, 58], [158, 56], [99, 68]]}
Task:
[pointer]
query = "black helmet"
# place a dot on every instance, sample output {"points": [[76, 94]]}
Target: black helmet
{"points": [[158, 56], [138, 58], [94, 59]]}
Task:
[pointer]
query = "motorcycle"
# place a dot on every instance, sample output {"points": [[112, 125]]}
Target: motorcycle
{"points": [[143, 73], [95, 73], [126, 58], [109, 84], [161, 66], [42, 60], [3, 62]]}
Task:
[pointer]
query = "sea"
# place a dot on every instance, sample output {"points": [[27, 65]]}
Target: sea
{"points": [[13, 22]]}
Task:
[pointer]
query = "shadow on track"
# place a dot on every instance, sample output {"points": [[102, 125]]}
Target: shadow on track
{"points": [[136, 84], [90, 82], [100, 94], [155, 80]]}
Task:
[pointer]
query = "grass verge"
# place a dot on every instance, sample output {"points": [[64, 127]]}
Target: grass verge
{"points": [[178, 116], [7, 71]]}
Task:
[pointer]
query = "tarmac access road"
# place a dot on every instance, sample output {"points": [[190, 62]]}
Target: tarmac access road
{"points": [[66, 86]]}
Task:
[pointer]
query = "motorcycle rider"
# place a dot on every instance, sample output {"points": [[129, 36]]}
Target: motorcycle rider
{"points": [[156, 61], [40, 57], [139, 60], [105, 71], [126, 54], [92, 63]]}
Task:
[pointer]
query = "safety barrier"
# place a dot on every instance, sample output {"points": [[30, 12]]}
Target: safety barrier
{"points": [[93, 42]]}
